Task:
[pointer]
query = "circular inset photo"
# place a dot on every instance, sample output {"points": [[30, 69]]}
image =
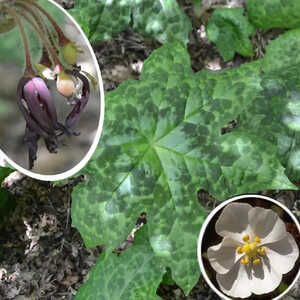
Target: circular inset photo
{"points": [[248, 248], [51, 92]]}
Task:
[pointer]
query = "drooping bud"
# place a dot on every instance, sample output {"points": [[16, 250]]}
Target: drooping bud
{"points": [[80, 102], [38, 109], [92, 79], [69, 53], [65, 85]]}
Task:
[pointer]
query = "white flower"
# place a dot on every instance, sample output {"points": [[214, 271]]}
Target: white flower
{"points": [[255, 251]]}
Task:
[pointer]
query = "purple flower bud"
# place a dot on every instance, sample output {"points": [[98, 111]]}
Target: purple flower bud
{"points": [[80, 102], [38, 109]]}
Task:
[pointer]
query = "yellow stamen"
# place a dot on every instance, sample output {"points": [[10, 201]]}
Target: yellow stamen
{"points": [[262, 251], [251, 250], [256, 261], [246, 238], [245, 260], [257, 239], [240, 250]]}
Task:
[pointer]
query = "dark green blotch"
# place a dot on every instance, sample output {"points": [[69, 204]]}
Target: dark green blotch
{"points": [[119, 109], [111, 151], [177, 68], [131, 111], [208, 117], [239, 88], [185, 178], [228, 159], [202, 130], [189, 129], [131, 91], [212, 150], [120, 281], [215, 173], [190, 227], [150, 107], [246, 149], [251, 178], [227, 104], [163, 112], [185, 88], [173, 19]]}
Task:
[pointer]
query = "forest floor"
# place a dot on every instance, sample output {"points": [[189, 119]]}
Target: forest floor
{"points": [[41, 256]]}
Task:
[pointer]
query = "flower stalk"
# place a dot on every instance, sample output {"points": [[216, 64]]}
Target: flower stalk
{"points": [[63, 40], [39, 30], [29, 72]]}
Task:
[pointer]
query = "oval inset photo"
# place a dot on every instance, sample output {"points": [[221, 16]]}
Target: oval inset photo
{"points": [[51, 92], [248, 248]]}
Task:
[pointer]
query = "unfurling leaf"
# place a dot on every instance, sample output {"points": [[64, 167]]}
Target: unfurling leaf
{"points": [[230, 31]]}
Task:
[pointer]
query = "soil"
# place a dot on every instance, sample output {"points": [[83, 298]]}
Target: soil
{"points": [[41, 256]]}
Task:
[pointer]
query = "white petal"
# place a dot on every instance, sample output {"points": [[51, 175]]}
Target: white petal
{"points": [[266, 224], [283, 254], [48, 74], [235, 283], [223, 256], [264, 277], [243, 280], [233, 220]]}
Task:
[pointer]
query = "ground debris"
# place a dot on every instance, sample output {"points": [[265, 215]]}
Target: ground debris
{"points": [[43, 256]]}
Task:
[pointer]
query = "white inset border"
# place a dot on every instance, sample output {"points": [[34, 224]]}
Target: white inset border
{"points": [[209, 218], [93, 147]]}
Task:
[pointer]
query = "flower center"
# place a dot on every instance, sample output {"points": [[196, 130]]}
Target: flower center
{"points": [[251, 250]]}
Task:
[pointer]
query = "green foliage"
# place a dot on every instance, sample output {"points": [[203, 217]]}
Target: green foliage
{"points": [[7, 201], [277, 110], [161, 20], [134, 274], [274, 13], [283, 286], [162, 142], [282, 53], [167, 279], [230, 31], [162, 139]]}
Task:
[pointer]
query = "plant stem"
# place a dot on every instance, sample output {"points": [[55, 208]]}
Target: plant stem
{"points": [[45, 60], [40, 33], [62, 39], [29, 72], [36, 16], [52, 37]]}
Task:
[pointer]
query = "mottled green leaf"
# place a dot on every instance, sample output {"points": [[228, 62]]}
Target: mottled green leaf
{"points": [[277, 111], [230, 31], [101, 19], [274, 13], [160, 20], [161, 143], [133, 275], [283, 52]]}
